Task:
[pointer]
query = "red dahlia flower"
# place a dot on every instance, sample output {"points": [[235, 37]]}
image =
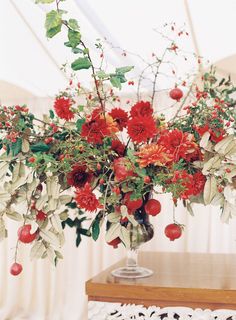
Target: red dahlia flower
{"points": [[140, 129], [186, 181], [95, 130], [180, 144], [118, 147], [86, 199], [141, 109], [120, 117], [123, 169], [62, 108], [199, 181], [79, 176]]}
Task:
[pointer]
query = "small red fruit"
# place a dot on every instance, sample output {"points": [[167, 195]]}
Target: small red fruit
{"points": [[132, 205], [24, 234], [115, 242], [152, 207], [173, 231], [16, 269], [116, 190], [32, 159], [176, 94], [146, 179], [101, 181], [99, 167], [41, 216]]}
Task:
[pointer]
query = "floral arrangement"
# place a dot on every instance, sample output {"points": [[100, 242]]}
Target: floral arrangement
{"points": [[100, 163]]}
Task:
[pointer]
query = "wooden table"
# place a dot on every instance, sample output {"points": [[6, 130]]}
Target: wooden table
{"points": [[179, 279]]}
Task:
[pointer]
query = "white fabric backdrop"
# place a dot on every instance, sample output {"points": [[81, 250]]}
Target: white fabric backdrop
{"points": [[43, 292]]}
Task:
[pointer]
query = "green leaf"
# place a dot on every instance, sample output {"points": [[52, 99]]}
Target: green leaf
{"points": [[123, 70], [95, 229], [78, 240], [74, 38], [81, 63], [51, 114], [53, 23], [102, 74], [79, 124], [115, 81], [16, 147], [73, 24], [40, 147]]}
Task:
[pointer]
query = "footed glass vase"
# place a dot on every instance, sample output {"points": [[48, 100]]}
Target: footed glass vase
{"points": [[139, 234]]}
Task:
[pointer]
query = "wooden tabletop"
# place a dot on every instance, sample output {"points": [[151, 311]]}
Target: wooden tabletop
{"points": [[179, 279]]}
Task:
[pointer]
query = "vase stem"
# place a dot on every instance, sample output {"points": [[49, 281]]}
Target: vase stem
{"points": [[132, 258]]}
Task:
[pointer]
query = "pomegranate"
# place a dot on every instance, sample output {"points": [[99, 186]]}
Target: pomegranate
{"points": [[24, 234], [176, 94], [152, 207], [16, 269], [173, 231]]}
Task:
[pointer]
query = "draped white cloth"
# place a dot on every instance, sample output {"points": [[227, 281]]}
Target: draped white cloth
{"points": [[43, 292]]}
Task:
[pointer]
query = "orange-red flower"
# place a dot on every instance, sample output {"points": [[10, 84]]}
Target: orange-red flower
{"points": [[180, 144], [141, 109], [62, 108], [140, 129], [120, 117], [153, 154], [86, 199]]}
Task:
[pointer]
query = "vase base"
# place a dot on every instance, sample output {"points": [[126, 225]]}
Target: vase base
{"points": [[132, 273]]}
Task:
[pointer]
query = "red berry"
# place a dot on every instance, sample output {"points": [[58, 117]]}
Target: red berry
{"points": [[176, 94], [116, 190], [99, 167], [146, 179], [41, 216], [48, 140], [101, 181], [173, 231], [132, 205], [24, 234], [16, 269], [152, 207], [115, 242], [32, 159]]}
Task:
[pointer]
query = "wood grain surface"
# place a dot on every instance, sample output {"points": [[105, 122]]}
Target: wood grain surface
{"points": [[179, 279]]}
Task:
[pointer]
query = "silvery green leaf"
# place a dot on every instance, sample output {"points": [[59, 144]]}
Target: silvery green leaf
{"points": [[53, 204], [132, 220], [3, 169], [37, 250], [64, 215], [50, 237], [61, 237], [205, 140], [65, 199], [51, 255], [2, 230], [125, 236], [113, 217], [210, 190], [16, 184], [189, 208], [218, 200], [56, 223], [113, 232], [4, 196], [41, 202], [58, 254], [25, 146], [221, 146], [14, 215], [226, 213], [213, 163]]}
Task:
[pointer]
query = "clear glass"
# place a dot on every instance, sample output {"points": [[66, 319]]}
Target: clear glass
{"points": [[139, 234]]}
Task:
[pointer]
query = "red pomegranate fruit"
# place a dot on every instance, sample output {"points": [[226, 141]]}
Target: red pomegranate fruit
{"points": [[173, 231], [24, 234], [176, 94], [132, 205], [152, 207]]}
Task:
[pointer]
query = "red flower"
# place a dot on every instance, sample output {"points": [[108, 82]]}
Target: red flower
{"points": [[202, 129], [123, 169], [118, 147], [141, 109], [140, 129], [199, 181], [153, 154], [120, 116], [186, 181], [62, 108], [217, 134], [95, 130], [79, 176], [86, 199], [180, 144]]}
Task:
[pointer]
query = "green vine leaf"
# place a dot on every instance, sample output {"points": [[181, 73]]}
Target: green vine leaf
{"points": [[74, 38], [53, 23], [81, 63], [73, 24]]}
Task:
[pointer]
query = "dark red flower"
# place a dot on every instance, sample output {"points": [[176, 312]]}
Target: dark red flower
{"points": [[180, 144], [118, 147], [120, 116], [62, 108], [217, 134], [95, 130], [202, 129], [86, 199], [141, 109], [79, 176], [199, 181], [140, 129]]}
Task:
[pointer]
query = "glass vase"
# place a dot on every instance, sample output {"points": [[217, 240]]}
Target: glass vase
{"points": [[140, 233]]}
